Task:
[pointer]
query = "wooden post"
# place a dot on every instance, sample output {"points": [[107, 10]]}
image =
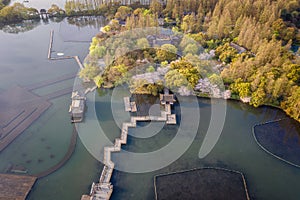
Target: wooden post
{"points": [[50, 44]]}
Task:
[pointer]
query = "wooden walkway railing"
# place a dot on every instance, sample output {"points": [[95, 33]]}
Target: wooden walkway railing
{"points": [[109, 165]]}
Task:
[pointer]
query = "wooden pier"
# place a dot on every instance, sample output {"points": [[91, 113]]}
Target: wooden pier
{"points": [[76, 58], [78, 62], [97, 191], [50, 44]]}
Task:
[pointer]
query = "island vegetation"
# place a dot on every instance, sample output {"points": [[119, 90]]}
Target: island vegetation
{"points": [[253, 44], [16, 13], [251, 50]]}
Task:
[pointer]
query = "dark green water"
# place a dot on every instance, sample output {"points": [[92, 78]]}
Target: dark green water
{"points": [[24, 61], [267, 177]]}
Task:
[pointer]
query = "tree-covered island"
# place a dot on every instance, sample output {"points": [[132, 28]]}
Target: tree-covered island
{"points": [[251, 44], [251, 47]]}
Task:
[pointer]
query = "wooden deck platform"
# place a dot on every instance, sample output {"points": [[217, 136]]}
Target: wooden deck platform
{"points": [[129, 106], [171, 119], [15, 187]]}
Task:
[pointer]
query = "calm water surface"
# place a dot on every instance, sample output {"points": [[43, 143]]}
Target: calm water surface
{"points": [[267, 177], [24, 61]]}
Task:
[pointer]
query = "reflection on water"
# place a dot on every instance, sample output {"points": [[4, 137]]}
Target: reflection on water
{"points": [[25, 26], [24, 61], [90, 24], [82, 28]]}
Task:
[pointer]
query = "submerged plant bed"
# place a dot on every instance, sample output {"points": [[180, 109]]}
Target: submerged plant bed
{"points": [[204, 183], [281, 139]]}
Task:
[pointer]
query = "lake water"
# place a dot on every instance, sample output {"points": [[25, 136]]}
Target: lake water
{"points": [[24, 61]]}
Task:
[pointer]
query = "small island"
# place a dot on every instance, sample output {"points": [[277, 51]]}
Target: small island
{"points": [[210, 49], [206, 52]]}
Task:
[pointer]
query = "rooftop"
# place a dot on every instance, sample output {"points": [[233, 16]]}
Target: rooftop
{"points": [[167, 98], [77, 105]]}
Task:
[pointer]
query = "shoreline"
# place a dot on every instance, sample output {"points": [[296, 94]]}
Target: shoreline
{"points": [[233, 99]]}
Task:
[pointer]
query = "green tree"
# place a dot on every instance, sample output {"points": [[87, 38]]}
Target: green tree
{"points": [[1, 5], [293, 72], [167, 52], [216, 80], [142, 86], [118, 74], [174, 80], [98, 81], [292, 104], [55, 10], [156, 7], [258, 97], [188, 70], [89, 72], [226, 53], [98, 52], [150, 69], [191, 49], [123, 12], [241, 88], [189, 23], [143, 43]]}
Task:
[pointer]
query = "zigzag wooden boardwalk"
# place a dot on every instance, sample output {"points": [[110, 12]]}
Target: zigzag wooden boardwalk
{"points": [[103, 189]]}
